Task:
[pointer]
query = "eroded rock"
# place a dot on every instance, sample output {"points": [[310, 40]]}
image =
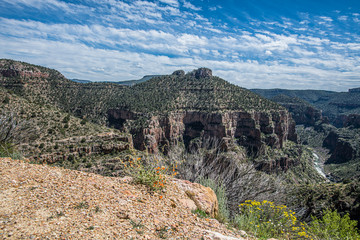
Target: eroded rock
{"points": [[204, 198]]}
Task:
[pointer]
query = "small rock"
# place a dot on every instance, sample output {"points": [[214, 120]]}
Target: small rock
{"points": [[123, 215], [218, 236], [243, 233], [188, 203]]}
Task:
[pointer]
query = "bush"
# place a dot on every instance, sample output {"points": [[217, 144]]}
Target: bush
{"points": [[6, 100], [66, 119], [83, 121], [220, 192], [333, 226], [149, 175], [266, 220], [8, 150]]}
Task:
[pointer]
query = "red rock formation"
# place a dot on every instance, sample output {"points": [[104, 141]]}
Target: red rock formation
{"points": [[250, 129]]}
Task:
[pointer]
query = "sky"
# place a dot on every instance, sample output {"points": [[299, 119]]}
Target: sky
{"points": [[307, 44]]}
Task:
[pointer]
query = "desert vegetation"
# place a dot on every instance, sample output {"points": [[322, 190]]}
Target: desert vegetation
{"points": [[265, 183]]}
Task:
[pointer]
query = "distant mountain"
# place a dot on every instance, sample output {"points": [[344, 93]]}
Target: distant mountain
{"points": [[334, 105], [133, 82], [80, 81], [125, 83], [354, 89], [197, 90]]}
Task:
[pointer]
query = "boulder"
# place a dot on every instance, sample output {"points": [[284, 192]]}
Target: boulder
{"points": [[179, 73], [204, 198]]}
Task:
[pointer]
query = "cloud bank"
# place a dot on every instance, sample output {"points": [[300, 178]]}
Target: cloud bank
{"points": [[122, 40]]}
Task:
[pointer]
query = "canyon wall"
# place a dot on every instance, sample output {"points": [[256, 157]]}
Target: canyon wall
{"points": [[249, 129]]}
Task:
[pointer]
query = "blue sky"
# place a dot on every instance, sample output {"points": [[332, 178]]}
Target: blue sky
{"points": [[307, 44]]}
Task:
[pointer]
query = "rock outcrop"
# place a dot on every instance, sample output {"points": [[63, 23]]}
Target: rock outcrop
{"points": [[201, 73], [202, 197], [352, 120], [179, 73], [343, 146], [302, 112], [251, 130]]}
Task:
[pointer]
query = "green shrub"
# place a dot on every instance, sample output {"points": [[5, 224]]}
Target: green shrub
{"points": [[6, 100], [333, 226], [147, 174], [83, 121], [201, 213], [8, 150], [66, 119], [220, 192]]}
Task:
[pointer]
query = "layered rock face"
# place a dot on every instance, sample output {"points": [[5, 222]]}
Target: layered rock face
{"points": [[309, 116], [352, 120], [302, 112], [343, 147], [250, 129]]}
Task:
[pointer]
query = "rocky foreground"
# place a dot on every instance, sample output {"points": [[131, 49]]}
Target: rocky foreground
{"points": [[45, 202]]}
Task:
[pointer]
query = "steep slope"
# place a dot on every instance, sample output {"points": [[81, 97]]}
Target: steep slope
{"points": [[302, 112], [344, 146], [47, 86], [161, 111], [183, 107], [50, 135], [39, 201]]}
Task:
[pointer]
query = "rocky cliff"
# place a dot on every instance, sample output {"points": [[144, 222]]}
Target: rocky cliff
{"points": [[249, 129], [352, 120], [343, 144], [183, 107], [302, 112], [162, 111], [332, 104]]}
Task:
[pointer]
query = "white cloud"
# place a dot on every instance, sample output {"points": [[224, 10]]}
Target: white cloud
{"points": [[343, 18], [173, 3], [190, 6], [100, 64], [327, 19], [69, 8], [135, 38]]}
